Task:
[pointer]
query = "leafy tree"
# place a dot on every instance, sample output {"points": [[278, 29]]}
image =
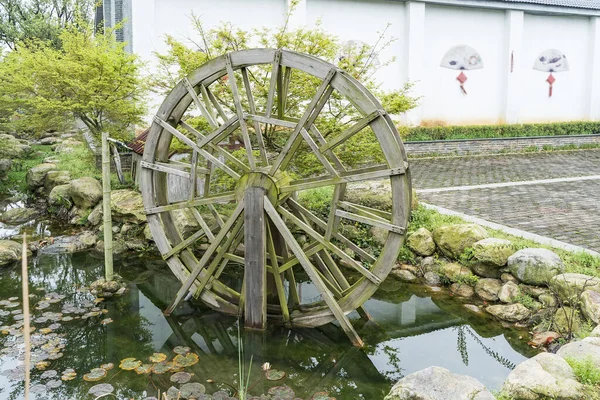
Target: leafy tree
{"points": [[360, 60], [90, 78], [22, 21]]}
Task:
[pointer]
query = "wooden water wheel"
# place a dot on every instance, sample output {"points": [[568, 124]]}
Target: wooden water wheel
{"points": [[246, 202]]}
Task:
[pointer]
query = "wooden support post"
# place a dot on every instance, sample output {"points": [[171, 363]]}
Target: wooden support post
{"points": [[108, 244], [255, 271], [26, 322]]}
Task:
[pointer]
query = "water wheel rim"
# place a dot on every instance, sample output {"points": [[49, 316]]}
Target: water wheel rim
{"points": [[153, 183]]}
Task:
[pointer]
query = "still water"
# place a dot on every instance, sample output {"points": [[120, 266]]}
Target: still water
{"points": [[409, 331]]}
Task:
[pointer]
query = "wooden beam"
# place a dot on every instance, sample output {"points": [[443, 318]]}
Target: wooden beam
{"points": [[252, 106], [255, 272], [370, 221], [273, 83], [215, 198], [351, 131], [199, 104]]}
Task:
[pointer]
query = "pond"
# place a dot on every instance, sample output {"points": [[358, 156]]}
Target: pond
{"points": [[410, 330]]}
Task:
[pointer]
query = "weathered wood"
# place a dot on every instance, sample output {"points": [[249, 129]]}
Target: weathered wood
{"points": [[277, 276], [211, 199], [117, 160], [273, 83], [106, 210], [312, 273], [351, 131], [252, 106], [255, 272], [199, 103], [315, 149], [370, 221], [272, 121], [171, 169]]}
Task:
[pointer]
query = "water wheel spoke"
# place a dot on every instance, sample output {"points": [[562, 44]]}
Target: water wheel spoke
{"points": [[313, 108], [329, 246], [368, 211], [351, 131], [209, 118], [195, 147], [203, 224], [217, 149], [333, 221], [275, 70], [315, 131], [365, 174], [207, 103], [312, 273], [200, 201], [206, 257], [316, 248], [193, 183], [172, 169], [277, 276], [376, 222], [185, 244], [215, 102], [252, 106], [272, 121], [220, 133], [239, 111], [315, 149], [283, 90], [323, 226]]}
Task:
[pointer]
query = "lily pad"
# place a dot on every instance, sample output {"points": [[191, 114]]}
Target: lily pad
{"points": [[173, 392], [282, 392], [42, 365], [157, 357], [106, 321], [181, 350], [49, 374], [108, 366], [53, 384], [143, 369], [129, 364], [192, 390], [95, 375], [186, 360], [275, 375], [101, 389], [181, 377], [161, 367]]}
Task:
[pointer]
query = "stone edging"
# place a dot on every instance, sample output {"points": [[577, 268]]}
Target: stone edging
{"points": [[494, 145]]}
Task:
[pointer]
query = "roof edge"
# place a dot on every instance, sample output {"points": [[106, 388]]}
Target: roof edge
{"points": [[519, 6]]}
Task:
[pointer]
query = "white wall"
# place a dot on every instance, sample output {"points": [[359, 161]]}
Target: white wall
{"points": [[443, 99], [425, 32], [569, 99]]}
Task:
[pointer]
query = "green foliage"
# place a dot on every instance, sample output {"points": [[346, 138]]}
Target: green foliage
{"points": [[470, 280], [317, 200], [91, 78], [15, 181], [502, 131], [526, 300], [585, 370], [23, 21]]}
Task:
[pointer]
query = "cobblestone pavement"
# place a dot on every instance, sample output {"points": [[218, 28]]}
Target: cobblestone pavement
{"points": [[478, 170], [565, 211]]}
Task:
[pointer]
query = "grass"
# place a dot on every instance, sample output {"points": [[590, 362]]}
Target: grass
{"points": [[585, 370], [15, 181]]}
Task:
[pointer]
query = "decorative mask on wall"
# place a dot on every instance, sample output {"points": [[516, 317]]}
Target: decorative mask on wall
{"points": [[463, 58], [551, 60]]}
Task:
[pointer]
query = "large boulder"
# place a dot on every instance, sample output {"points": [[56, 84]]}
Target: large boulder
{"points": [[486, 270], [535, 266], [18, 215], [36, 175], [493, 251], [67, 146], [454, 272], [55, 178], [587, 348], [569, 286], [452, 240], [462, 290], [11, 147], [127, 206], [543, 376], [86, 192], [488, 289], [95, 217], [590, 305], [567, 320], [60, 196], [509, 312], [436, 383], [421, 242], [10, 251]]}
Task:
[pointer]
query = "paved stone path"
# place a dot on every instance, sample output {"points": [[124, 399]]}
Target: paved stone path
{"points": [[568, 211]]}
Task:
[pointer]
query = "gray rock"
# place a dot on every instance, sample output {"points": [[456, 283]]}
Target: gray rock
{"points": [[436, 383], [506, 277], [35, 176], [428, 263], [487, 289], [421, 242], [127, 206], [595, 332], [56, 178], [493, 251], [543, 376], [379, 235], [147, 232], [511, 312], [60, 196], [185, 222], [432, 278], [509, 292], [96, 215], [462, 290], [13, 147], [454, 271], [452, 240], [404, 275], [18, 215], [67, 146], [566, 320], [548, 300], [10, 252], [590, 305], [586, 348], [86, 192], [569, 286], [535, 266], [88, 238], [70, 244], [116, 229], [49, 140], [78, 216], [5, 165], [486, 270]]}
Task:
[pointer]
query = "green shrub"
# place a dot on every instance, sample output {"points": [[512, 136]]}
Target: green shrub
{"points": [[585, 370], [501, 131]]}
